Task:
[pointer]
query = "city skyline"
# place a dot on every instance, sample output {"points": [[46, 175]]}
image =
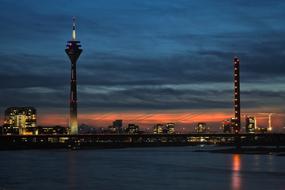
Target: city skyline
{"points": [[144, 67]]}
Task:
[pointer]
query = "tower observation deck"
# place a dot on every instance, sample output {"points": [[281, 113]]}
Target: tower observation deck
{"points": [[73, 50]]}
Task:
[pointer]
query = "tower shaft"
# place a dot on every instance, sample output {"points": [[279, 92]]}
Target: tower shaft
{"points": [[73, 51], [73, 100], [237, 123]]}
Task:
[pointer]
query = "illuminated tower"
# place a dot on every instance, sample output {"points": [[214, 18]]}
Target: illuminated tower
{"points": [[73, 51], [269, 122], [236, 126]]}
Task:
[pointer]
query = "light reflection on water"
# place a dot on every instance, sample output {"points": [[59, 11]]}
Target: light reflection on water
{"points": [[72, 181], [236, 176], [167, 168]]}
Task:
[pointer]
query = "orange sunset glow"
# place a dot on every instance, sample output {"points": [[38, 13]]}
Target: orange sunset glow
{"points": [[149, 119]]}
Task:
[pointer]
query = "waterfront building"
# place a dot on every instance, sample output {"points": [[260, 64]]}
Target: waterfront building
{"points": [[201, 128], [158, 129], [132, 129], [112, 129], [20, 121], [170, 128], [116, 127], [227, 125], [118, 124], [262, 129], [86, 129], [250, 124]]}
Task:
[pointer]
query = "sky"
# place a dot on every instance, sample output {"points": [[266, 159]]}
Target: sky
{"points": [[146, 62]]}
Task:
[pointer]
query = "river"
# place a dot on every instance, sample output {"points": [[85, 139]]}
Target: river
{"points": [[160, 168]]}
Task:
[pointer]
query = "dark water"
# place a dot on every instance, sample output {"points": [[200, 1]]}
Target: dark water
{"points": [[168, 168]]}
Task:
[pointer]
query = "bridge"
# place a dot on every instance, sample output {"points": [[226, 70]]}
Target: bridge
{"points": [[139, 140]]}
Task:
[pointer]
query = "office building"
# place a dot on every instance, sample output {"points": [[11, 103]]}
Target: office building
{"points": [[158, 129], [20, 121], [170, 128], [227, 125], [132, 129], [201, 128], [116, 127], [250, 124]]}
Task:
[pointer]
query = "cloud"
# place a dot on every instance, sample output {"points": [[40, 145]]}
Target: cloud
{"points": [[143, 55]]}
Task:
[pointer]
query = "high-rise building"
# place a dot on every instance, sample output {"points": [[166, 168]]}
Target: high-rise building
{"points": [[250, 124], [73, 50], [236, 126], [86, 129], [227, 125], [117, 126], [158, 129], [201, 128], [20, 121], [132, 129], [118, 123], [170, 128], [111, 129]]}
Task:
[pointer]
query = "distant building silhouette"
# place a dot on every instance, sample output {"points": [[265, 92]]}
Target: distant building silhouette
{"points": [[201, 128], [51, 130], [117, 126], [227, 125], [132, 129], [170, 128], [86, 129], [262, 129], [158, 129]]}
